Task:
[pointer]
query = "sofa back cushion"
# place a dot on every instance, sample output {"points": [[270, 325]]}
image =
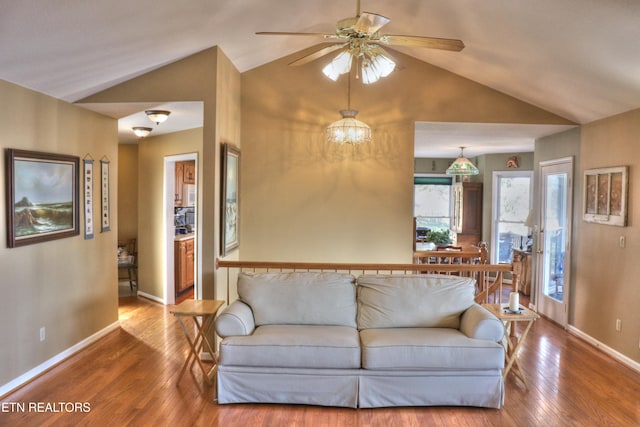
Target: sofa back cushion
{"points": [[408, 301], [299, 298]]}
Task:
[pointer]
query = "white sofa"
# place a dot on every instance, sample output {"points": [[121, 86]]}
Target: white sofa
{"points": [[383, 340]]}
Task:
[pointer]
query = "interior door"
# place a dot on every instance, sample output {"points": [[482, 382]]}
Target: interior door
{"points": [[554, 239]]}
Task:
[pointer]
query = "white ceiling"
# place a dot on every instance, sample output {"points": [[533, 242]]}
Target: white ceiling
{"points": [[579, 59]]}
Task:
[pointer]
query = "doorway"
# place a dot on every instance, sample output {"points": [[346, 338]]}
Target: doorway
{"points": [[181, 229], [554, 239]]}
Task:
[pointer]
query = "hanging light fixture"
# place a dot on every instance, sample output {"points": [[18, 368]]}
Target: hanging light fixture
{"points": [[462, 166], [141, 132], [348, 129], [158, 116], [375, 62]]}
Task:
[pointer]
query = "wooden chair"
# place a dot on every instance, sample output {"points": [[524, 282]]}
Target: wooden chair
{"points": [[128, 260]]}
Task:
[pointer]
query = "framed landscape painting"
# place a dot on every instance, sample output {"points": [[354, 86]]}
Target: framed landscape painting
{"points": [[42, 196], [230, 187]]}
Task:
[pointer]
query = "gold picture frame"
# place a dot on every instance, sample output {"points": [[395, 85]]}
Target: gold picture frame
{"points": [[229, 206], [42, 193]]}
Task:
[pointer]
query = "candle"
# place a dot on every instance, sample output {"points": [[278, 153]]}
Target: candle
{"points": [[514, 301]]}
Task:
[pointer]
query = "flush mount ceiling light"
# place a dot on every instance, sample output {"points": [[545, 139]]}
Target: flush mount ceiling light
{"points": [[462, 166], [141, 132], [348, 130], [157, 116]]}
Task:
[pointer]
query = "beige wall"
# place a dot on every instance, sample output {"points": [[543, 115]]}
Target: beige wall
{"points": [[303, 200], [127, 192], [210, 77], [68, 286], [606, 285], [151, 241]]}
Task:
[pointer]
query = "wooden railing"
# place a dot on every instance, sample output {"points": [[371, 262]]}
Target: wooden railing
{"points": [[489, 277]]}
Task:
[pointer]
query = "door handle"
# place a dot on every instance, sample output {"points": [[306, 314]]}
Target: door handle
{"points": [[539, 251]]}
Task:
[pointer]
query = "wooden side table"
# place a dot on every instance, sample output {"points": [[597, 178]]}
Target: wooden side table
{"points": [[203, 313], [513, 342]]}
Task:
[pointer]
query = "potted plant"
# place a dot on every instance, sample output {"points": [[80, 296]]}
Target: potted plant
{"points": [[439, 237]]}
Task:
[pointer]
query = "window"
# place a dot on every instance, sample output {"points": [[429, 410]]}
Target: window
{"points": [[432, 202], [511, 208]]}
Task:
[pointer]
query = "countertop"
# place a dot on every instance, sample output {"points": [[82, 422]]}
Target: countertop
{"points": [[182, 237]]}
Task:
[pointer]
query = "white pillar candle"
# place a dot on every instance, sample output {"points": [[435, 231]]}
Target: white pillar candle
{"points": [[514, 301]]}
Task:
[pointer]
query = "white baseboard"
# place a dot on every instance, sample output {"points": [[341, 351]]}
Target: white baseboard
{"points": [[43, 367], [605, 348], [152, 297]]}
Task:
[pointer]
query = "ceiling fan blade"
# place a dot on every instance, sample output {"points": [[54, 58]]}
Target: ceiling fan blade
{"points": [[418, 41], [284, 33], [369, 23], [318, 54]]}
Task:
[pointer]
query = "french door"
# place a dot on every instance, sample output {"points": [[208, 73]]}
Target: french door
{"points": [[554, 239]]}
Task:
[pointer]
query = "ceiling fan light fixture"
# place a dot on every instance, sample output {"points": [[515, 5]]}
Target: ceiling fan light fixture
{"points": [[141, 132], [348, 130], [462, 166], [341, 64], [384, 64], [158, 116], [376, 67]]}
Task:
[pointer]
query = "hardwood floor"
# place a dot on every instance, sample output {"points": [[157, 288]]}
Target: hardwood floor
{"points": [[129, 378]]}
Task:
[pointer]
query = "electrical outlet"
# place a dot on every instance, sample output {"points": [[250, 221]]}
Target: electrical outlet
{"points": [[618, 325], [43, 334], [623, 241]]}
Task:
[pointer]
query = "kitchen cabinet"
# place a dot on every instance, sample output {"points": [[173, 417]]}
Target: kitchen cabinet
{"points": [[179, 184], [466, 217], [184, 263], [189, 172], [185, 174]]}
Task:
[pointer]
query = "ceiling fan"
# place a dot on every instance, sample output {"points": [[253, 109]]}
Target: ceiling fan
{"points": [[360, 40]]}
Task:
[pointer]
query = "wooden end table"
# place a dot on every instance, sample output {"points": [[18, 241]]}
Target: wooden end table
{"points": [[513, 342], [203, 313]]}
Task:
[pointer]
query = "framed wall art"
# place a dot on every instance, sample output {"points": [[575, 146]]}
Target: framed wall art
{"points": [[42, 192], [88, 198], [230, 203], [605, 196], [105, 214]]}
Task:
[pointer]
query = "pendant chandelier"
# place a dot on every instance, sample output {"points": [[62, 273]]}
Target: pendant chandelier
{"points": [[462, 166], [348, 130]]}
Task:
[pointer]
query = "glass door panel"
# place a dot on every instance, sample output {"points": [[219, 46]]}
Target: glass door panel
{"points": [[554, 239]]}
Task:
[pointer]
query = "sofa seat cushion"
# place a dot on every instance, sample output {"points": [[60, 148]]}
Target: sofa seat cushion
{"points": [[294, 346], [427, 348]]}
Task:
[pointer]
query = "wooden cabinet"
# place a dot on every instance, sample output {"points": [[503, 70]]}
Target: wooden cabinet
{"points": [[466, 218], [189, 172], [184, 264], [522, 270], [179, 185], [185, 174]]}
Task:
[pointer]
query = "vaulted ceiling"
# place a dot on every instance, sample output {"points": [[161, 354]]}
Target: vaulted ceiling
{"points": [[579, 59]]}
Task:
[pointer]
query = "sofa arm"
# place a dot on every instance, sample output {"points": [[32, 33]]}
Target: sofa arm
{"points": [[477, 322], [236, 319]]}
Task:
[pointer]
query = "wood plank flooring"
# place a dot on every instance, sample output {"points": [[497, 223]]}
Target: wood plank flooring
{"points": [[129, 378]]}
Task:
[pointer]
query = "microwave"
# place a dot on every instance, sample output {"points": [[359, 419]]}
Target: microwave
{"points": [[190, 195]]}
